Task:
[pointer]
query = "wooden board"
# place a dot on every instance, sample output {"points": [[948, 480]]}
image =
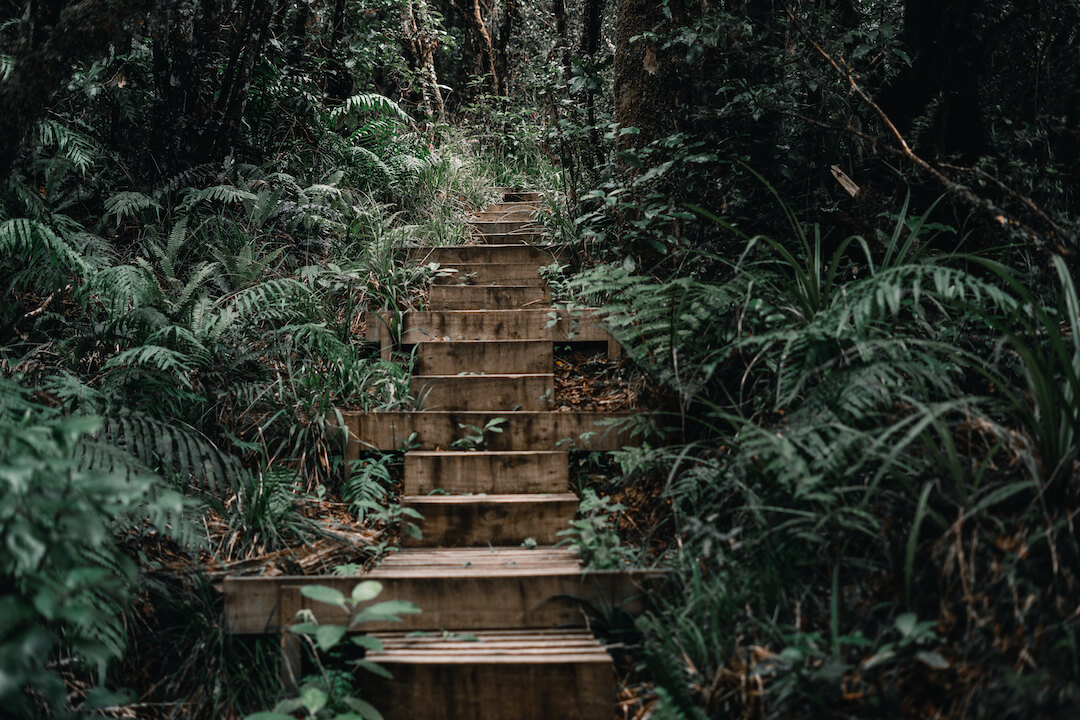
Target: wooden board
{"points": [[493, 227], [489, 274], [512, 471], [522, 196], [509, 214], [484, 356], [484, 392], [522, 675], [522, 430], [457, 589], [527, 236], [469, 520], [435, 325], [487, 297], [490, 253]]}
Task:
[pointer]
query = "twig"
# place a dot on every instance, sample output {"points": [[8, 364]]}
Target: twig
{"points": [[999, 215]]}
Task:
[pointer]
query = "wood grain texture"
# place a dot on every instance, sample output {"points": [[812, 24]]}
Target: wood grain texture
{"points": [[472, 520], [490, 274], [538, 675], [522, 430], [484, 356], [457, 589], [487, 297], [515, 252], [515, 471], [484, 392]]}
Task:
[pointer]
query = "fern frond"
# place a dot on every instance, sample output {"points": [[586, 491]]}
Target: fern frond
{"points": [[373, 103], [127, 204]]}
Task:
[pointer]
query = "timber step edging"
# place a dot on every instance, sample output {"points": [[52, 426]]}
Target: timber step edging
{"points": [[501, 675], [455, 589], [560, 326], [490, 253], [478, 520], [525, 391], [512, 471], [451, 357], [487, 297], [520, 430], [489, 274]]}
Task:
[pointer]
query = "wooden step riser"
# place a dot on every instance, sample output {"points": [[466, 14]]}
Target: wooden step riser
{"points": [[479, 521], [437, 430], [499, 215], [499, 227], [480, 392], [515, 196], [501, 206], [491, 253], [512, 356], [456, 601], [568, 690], [529, 236], [482, 297], [490, 274], [485, 472], [428, 326]]}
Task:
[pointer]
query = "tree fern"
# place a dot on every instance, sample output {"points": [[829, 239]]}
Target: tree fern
{"points": [[372, 103]]}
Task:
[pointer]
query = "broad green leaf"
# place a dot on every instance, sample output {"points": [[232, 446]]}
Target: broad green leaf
{"points": [[328, 636], [313, 698], [365, 591], [372, 668], [323, 594], [368, 642], [364, 708]]}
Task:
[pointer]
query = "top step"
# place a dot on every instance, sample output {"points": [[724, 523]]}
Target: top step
{"points": [[521, 196]]}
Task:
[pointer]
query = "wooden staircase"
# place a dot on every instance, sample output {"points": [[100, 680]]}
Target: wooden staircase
{"points": [[502, 629]]}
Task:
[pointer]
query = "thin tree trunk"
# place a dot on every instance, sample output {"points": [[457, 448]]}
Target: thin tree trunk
{"points": [[487, 49]]}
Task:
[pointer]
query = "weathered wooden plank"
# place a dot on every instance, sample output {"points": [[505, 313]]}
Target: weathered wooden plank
{"points": [[515, 252], [514, 471], [522, 196], [489, 274], [484, 356], [493, 227], [469, 520], [523, 324], [484, 392], [521, 430], [487, 297], [463, 594], [526, 236], [510, 214], [572, 678]]}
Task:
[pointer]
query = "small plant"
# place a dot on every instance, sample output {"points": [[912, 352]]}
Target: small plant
{"points": [[477, 437], [594, 533], [330, 694]]}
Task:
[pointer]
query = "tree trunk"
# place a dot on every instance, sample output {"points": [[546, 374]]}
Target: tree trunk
{"points": [[502, 48], [419, 43], [487, 49], [646, 83]]}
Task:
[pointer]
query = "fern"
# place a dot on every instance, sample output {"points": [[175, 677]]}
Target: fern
{"points": [[129, 204], [372, 103]]}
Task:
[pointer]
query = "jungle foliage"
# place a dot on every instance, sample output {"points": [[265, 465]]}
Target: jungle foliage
{"points": [[841, 236]]}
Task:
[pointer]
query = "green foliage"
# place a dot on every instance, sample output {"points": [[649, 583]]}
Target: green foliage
{"points": [[67, 577], [330, 693]]}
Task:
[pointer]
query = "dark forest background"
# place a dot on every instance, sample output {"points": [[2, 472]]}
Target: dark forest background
{"points": [[837, 239]]}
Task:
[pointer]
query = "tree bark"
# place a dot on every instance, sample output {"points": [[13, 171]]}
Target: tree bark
{"points": [[419, 42], [502, 48], [487, 49], [646, 84]]}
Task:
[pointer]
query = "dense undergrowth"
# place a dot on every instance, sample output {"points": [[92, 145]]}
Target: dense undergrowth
{"points": [[865, 484]]}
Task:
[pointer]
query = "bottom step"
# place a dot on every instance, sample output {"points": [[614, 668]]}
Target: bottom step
{"points": [[494, 675]]}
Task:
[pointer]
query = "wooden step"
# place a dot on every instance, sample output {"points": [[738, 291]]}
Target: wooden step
{"points": [[522, 196], [509, 519], [523, 324], [484, 356], [512, 471], [499, 227], [491, 253], [498, 214], [487, 297], [527, 236], [456, 589], [521, 430], [494, 675], [533, 391], [517, 205], [489, 274]]}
